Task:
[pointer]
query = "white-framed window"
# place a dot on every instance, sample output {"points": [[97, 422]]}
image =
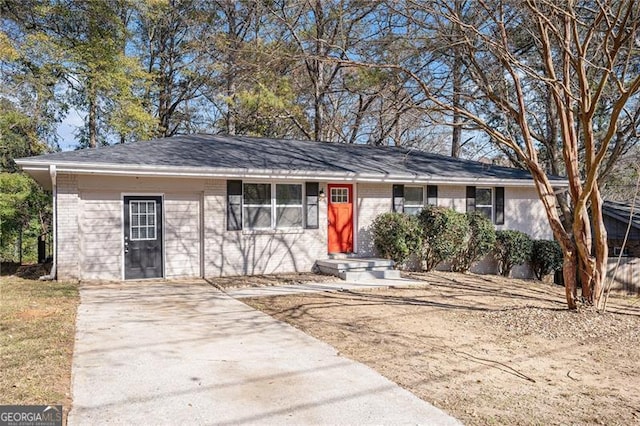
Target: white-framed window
{"points": [[142, 220], [618, 250], [484, 201], [269, 206], [339, 195], [289, 205], [256, 205], [413, 199]]}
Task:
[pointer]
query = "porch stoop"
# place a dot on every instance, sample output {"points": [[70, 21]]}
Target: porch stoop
{"points": [[358, 269]]}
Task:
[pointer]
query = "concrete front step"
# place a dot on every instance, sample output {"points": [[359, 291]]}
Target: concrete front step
{"points": [[354, 269], [368, 275]]}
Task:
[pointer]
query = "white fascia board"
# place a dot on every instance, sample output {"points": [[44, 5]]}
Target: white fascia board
{"points": [[222, 173], [186, 172], [439, 180]]}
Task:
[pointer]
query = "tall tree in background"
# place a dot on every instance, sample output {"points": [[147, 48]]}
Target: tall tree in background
{"points": [[166, 34], [30, 71], [320, 30], [239, 23], [83, 45]]}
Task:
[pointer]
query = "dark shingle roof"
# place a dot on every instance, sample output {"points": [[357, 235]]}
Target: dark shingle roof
{"points": [[251, 153], [622, 212]]}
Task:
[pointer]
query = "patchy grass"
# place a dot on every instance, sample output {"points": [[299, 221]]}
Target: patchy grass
{"points": [[487, 349], [37, 332]]}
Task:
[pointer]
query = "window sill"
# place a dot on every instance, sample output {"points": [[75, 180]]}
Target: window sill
{"points": [[281, 231]]}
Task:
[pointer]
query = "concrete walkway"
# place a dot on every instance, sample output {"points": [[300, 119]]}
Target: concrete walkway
{"points": [[281, 290], [164, 353]]}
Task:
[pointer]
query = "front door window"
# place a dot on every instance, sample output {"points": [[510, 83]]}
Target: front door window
{"points": [[143, 220]]}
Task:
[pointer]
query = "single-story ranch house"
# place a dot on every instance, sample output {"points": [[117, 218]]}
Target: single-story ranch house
{"points": [[206, 206]]}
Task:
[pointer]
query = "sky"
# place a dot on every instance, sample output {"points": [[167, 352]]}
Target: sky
{"points": [[67, 129]]}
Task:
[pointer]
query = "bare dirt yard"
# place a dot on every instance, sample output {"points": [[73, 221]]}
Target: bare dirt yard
{"points": [[486, 349]]}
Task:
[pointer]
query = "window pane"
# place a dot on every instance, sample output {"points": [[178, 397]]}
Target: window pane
{"points": [[151, 233], [289, 194], [257, 193], [151, 220], [312, 214], [339, 195], [485, 211], [143, 207], [143, 233], [134, 220], [257, 217], [483, 197], [413, 195], [143, 220], [134, 207], [288, 217], [135, 234], [151, 207], [412, 210]]}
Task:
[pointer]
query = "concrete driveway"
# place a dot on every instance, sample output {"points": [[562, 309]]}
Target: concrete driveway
{"points": [[167, 353]]}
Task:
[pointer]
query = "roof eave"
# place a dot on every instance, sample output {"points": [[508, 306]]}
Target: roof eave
{"points": [[246, 173], [624, 218]]}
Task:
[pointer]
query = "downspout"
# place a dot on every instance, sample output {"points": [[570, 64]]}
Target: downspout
{"points": [[54, 188]]}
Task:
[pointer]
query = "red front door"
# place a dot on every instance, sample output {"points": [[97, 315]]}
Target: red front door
{"points": [[340, 212]]}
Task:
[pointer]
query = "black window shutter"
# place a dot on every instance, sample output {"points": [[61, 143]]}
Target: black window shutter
{"points": [[311, 201], [234, 205], [398, 198], [471, 198], [499, 207], [432, 195]]}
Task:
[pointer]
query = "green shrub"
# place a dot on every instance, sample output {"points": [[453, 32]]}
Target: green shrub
{"points": [[546, 257], [396, 236], [512, 248], [445, 234], [482, 239]]}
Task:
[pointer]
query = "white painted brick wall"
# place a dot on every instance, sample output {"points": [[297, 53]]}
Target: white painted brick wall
{"points": [[523, 211], [89, 227], [100, 236], [372, 200], [453, 197], [182, 234], [67, 227], [246, 252]]}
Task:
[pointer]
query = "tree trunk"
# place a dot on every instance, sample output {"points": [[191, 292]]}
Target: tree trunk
{"points": [[569, 267], [318, 68], [93, 125], [318, 95], [231, 107], [20, 246], [234, 44], [456, 137], [600, 245]]}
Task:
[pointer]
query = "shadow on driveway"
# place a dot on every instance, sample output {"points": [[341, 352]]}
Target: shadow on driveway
{"points": [[162, 353]]}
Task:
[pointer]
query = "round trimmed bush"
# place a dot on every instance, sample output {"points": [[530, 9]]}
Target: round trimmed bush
{"points": [[396, 236], [512, 248], [445, 235], [482, 239], [546, 257]]}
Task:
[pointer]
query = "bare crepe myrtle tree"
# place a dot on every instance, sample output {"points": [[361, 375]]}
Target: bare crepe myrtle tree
{"points": [[585, 57]]}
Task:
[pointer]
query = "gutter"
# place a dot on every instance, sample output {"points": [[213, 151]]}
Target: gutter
{"points": [[54, 220], [270, 174]]}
